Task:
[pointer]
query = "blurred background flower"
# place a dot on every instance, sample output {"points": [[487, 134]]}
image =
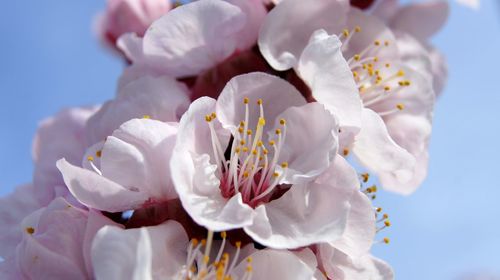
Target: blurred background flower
{"points": [[51, 59]]}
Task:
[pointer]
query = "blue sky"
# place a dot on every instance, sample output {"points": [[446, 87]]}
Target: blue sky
{"points": [[50, 60]]}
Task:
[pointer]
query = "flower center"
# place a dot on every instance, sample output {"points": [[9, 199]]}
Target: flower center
{"points": [[376, 79], [199, 266], [252, 167]]}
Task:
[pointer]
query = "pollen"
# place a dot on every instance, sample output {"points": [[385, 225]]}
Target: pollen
{"points": [[365, 177], [262, 121], [30, 230]]}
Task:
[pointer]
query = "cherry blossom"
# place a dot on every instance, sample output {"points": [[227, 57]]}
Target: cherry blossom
{"points": [[129, 170], [165, 252], [237, 191]]}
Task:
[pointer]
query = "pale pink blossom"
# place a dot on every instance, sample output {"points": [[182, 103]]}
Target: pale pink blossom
{"points": [[123, 16], [128, 170], [407, 21], [339, 266], [55, 243], [194, 37], [13, 209], [165, 252], [278, 144], [60, 136], [384, 85]]}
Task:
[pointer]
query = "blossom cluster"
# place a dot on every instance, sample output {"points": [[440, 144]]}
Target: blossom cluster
{"points": [[242, 143]]}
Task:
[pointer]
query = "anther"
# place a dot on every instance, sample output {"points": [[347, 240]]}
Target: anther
{"points": [[345, 152], [387, 88], [208, 118], [245, 100], [400, 106], [387, 223], [377, 43], [401, 73], [262, 121], [357, 29], [282, 121], [213, 116], [357, 57], [223, 234], [146, 117], [238, 244], [284, 164], [30, 230], [98, 153], [271, 143], [249, 132], [365, 177], [386, 43], [90, 158], [386, 240], [278, 131], [259, 101]]}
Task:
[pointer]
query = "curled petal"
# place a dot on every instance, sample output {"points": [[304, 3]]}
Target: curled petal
{"points": [[324, 69], [376, 150], [310, 142], [95, 191], [283, 37]]}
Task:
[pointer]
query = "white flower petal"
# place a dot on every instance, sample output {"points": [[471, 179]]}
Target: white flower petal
{"points": [[288, 27]]}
